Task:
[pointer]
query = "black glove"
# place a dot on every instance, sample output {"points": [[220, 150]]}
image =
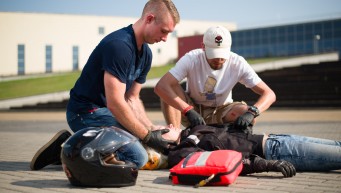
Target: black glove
{"points": [[244, 122], [257, 164], [194, 118], [155, 140]]}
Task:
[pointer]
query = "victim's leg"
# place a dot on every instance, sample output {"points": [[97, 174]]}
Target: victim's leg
{"points": [[316, 140], [305, 153]]}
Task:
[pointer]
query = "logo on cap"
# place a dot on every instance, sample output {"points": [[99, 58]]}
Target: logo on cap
{"points": [[218, 40]]}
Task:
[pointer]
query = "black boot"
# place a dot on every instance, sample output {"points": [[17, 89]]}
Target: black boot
{"points": [[50, 152]]}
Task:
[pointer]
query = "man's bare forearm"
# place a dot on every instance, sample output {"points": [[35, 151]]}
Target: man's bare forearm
{"points": [[139, 111]]}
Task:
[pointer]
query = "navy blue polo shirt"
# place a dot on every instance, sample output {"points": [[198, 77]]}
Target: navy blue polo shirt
{"points": [[117, 54]]}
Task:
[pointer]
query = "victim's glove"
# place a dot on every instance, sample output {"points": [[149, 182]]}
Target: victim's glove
{"points": [[194, 118], [257, 164], [155, 140], [244, 122], [286, 168]]}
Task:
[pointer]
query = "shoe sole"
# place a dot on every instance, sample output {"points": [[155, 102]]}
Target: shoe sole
{"points": [[34, 159]]}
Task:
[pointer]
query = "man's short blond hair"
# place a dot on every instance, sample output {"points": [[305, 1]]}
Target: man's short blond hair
{"points": [[160, 8]]}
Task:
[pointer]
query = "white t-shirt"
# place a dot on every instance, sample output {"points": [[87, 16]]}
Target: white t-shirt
{"points": [[213, 87]]}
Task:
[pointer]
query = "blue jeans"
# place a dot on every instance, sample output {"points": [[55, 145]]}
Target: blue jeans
{"points": [[305, 153], [102, 117]]}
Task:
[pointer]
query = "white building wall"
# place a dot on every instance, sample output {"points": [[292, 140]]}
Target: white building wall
{"points": [[62, 32]]}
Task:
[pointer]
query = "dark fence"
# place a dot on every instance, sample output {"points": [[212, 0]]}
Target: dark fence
{"points": [[302, 86]]}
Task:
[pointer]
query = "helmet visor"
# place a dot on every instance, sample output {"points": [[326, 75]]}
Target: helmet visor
{"points": [[108, 141]]}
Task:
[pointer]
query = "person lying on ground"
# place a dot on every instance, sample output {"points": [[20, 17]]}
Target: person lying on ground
{"points": [[251, 162], [305, 153]]}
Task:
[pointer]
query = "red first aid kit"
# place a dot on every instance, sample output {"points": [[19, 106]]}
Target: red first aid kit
{"points": [[219, 167]]}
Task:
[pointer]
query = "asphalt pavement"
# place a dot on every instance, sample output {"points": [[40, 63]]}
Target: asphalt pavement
{"points": [[23, 133]]}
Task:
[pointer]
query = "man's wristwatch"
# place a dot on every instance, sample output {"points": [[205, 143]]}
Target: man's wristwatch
{"points": [[254, 110]]}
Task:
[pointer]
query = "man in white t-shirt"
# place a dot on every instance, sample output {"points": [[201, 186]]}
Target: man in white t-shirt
{"points": [[211, 74]]}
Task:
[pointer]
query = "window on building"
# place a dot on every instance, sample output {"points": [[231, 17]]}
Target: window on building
{"points": [[256, 37], [21, 59], [75, 56], [48, 59], [309, 31], [101, 30]]}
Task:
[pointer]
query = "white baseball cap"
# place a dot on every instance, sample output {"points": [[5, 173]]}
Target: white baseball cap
{"points": [[217, 42]]}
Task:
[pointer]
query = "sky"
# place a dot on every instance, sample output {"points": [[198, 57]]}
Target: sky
{"points": [[245, 14]]}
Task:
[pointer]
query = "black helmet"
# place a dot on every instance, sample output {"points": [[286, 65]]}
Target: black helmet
{"points": [[84, 157]]}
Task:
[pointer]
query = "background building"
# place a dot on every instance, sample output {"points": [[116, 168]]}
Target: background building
{"points": [[36, 43], [277, 41], [289, 40], [33, 43]]}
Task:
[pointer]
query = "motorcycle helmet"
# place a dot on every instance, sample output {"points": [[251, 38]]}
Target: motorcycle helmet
{"points": [[88, 158]]}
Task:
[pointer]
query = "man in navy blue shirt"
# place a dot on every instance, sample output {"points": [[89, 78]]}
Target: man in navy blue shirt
{"points": [[107, 92]]}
